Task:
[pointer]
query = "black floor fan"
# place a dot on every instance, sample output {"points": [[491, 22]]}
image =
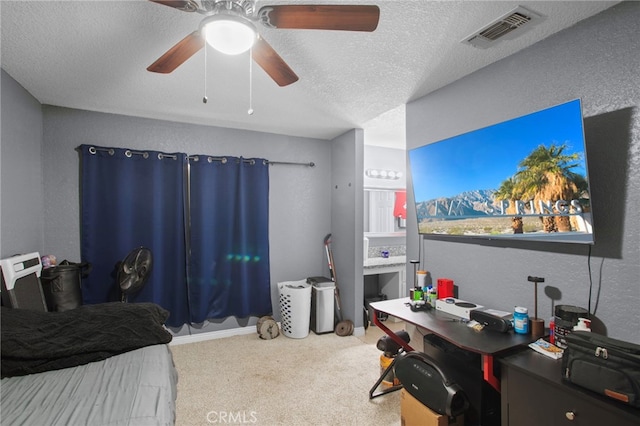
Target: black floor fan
{"points": [[134, 271]]}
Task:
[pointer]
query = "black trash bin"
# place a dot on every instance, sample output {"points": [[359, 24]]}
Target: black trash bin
{"points": [[62, 285]]}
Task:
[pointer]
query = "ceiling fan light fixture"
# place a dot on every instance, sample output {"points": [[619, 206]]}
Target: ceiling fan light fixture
{"points": [[229, 34]]}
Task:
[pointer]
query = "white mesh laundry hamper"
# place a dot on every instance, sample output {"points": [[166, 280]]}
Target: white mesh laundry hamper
{"points": [[295, 308]]}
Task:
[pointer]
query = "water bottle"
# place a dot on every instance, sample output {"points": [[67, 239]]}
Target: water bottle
{"points": [[521, 320]]}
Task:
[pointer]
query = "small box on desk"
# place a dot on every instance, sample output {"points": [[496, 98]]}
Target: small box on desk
{"points": [[415, 413]]}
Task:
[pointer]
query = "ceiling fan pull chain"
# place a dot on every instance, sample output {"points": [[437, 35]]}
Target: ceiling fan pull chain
{"points": [[250, 111], [204, 98]]}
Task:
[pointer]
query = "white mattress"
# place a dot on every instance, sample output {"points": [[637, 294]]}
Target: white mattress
{"points": [[133, 388]]}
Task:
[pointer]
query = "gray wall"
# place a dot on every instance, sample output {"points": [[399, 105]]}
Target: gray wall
{"points": [[346, 222], [39, 145], [598, 60], [299, 196], [21, 211], [305, 203]]}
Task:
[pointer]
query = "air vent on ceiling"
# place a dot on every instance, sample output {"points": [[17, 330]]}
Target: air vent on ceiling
{"points": [[506, 27]]}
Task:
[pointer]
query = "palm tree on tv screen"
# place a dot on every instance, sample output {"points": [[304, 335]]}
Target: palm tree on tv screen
{"points": [[509, 190], [547, 175]]}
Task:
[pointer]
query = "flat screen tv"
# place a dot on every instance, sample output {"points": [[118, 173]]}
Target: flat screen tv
{"points": [[524, 178]]}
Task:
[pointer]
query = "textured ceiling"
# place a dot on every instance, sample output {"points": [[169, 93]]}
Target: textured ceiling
{"points": [[93, 55]]}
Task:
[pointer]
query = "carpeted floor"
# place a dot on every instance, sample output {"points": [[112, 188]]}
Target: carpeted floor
{"points": [[318, 380]]}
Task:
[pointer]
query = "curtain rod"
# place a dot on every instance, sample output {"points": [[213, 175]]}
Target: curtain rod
{"points": [[210, 159], [251, 161], [309, 164]]}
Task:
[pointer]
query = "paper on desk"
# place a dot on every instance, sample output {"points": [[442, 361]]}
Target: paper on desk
{"points": [[546, 348], [475, 325]]}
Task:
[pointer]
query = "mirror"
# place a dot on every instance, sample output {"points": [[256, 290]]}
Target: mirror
{"points": [[384, 211]]}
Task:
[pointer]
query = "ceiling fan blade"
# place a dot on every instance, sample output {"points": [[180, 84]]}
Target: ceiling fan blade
{"points": [[184, 5], [272, 63], [179, 53], [321, 17]]}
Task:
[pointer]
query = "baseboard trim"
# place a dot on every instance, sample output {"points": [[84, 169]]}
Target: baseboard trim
{"points": [[220, 334], [211, 335]]}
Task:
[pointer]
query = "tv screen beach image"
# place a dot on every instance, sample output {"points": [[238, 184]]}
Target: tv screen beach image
{"points": [[525, 178]]}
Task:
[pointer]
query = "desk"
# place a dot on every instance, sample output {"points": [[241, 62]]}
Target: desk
{"points": [[475, 373], [448, 327]]}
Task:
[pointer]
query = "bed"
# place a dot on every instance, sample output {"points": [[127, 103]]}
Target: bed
{"points": [[107, 364]]}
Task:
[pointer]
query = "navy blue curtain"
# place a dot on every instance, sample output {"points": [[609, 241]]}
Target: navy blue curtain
{"points": [[128, 200], [229, 244]]}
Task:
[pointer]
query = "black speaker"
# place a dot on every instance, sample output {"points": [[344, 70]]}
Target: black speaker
{"points": [[426, 381], [465, 368], [490, 322]]}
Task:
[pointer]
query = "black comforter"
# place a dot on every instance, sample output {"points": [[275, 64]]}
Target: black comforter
{"points": [[33, 342]]}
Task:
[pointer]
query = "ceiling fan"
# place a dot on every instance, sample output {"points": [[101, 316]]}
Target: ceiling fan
{"points": [[230, 27]]}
